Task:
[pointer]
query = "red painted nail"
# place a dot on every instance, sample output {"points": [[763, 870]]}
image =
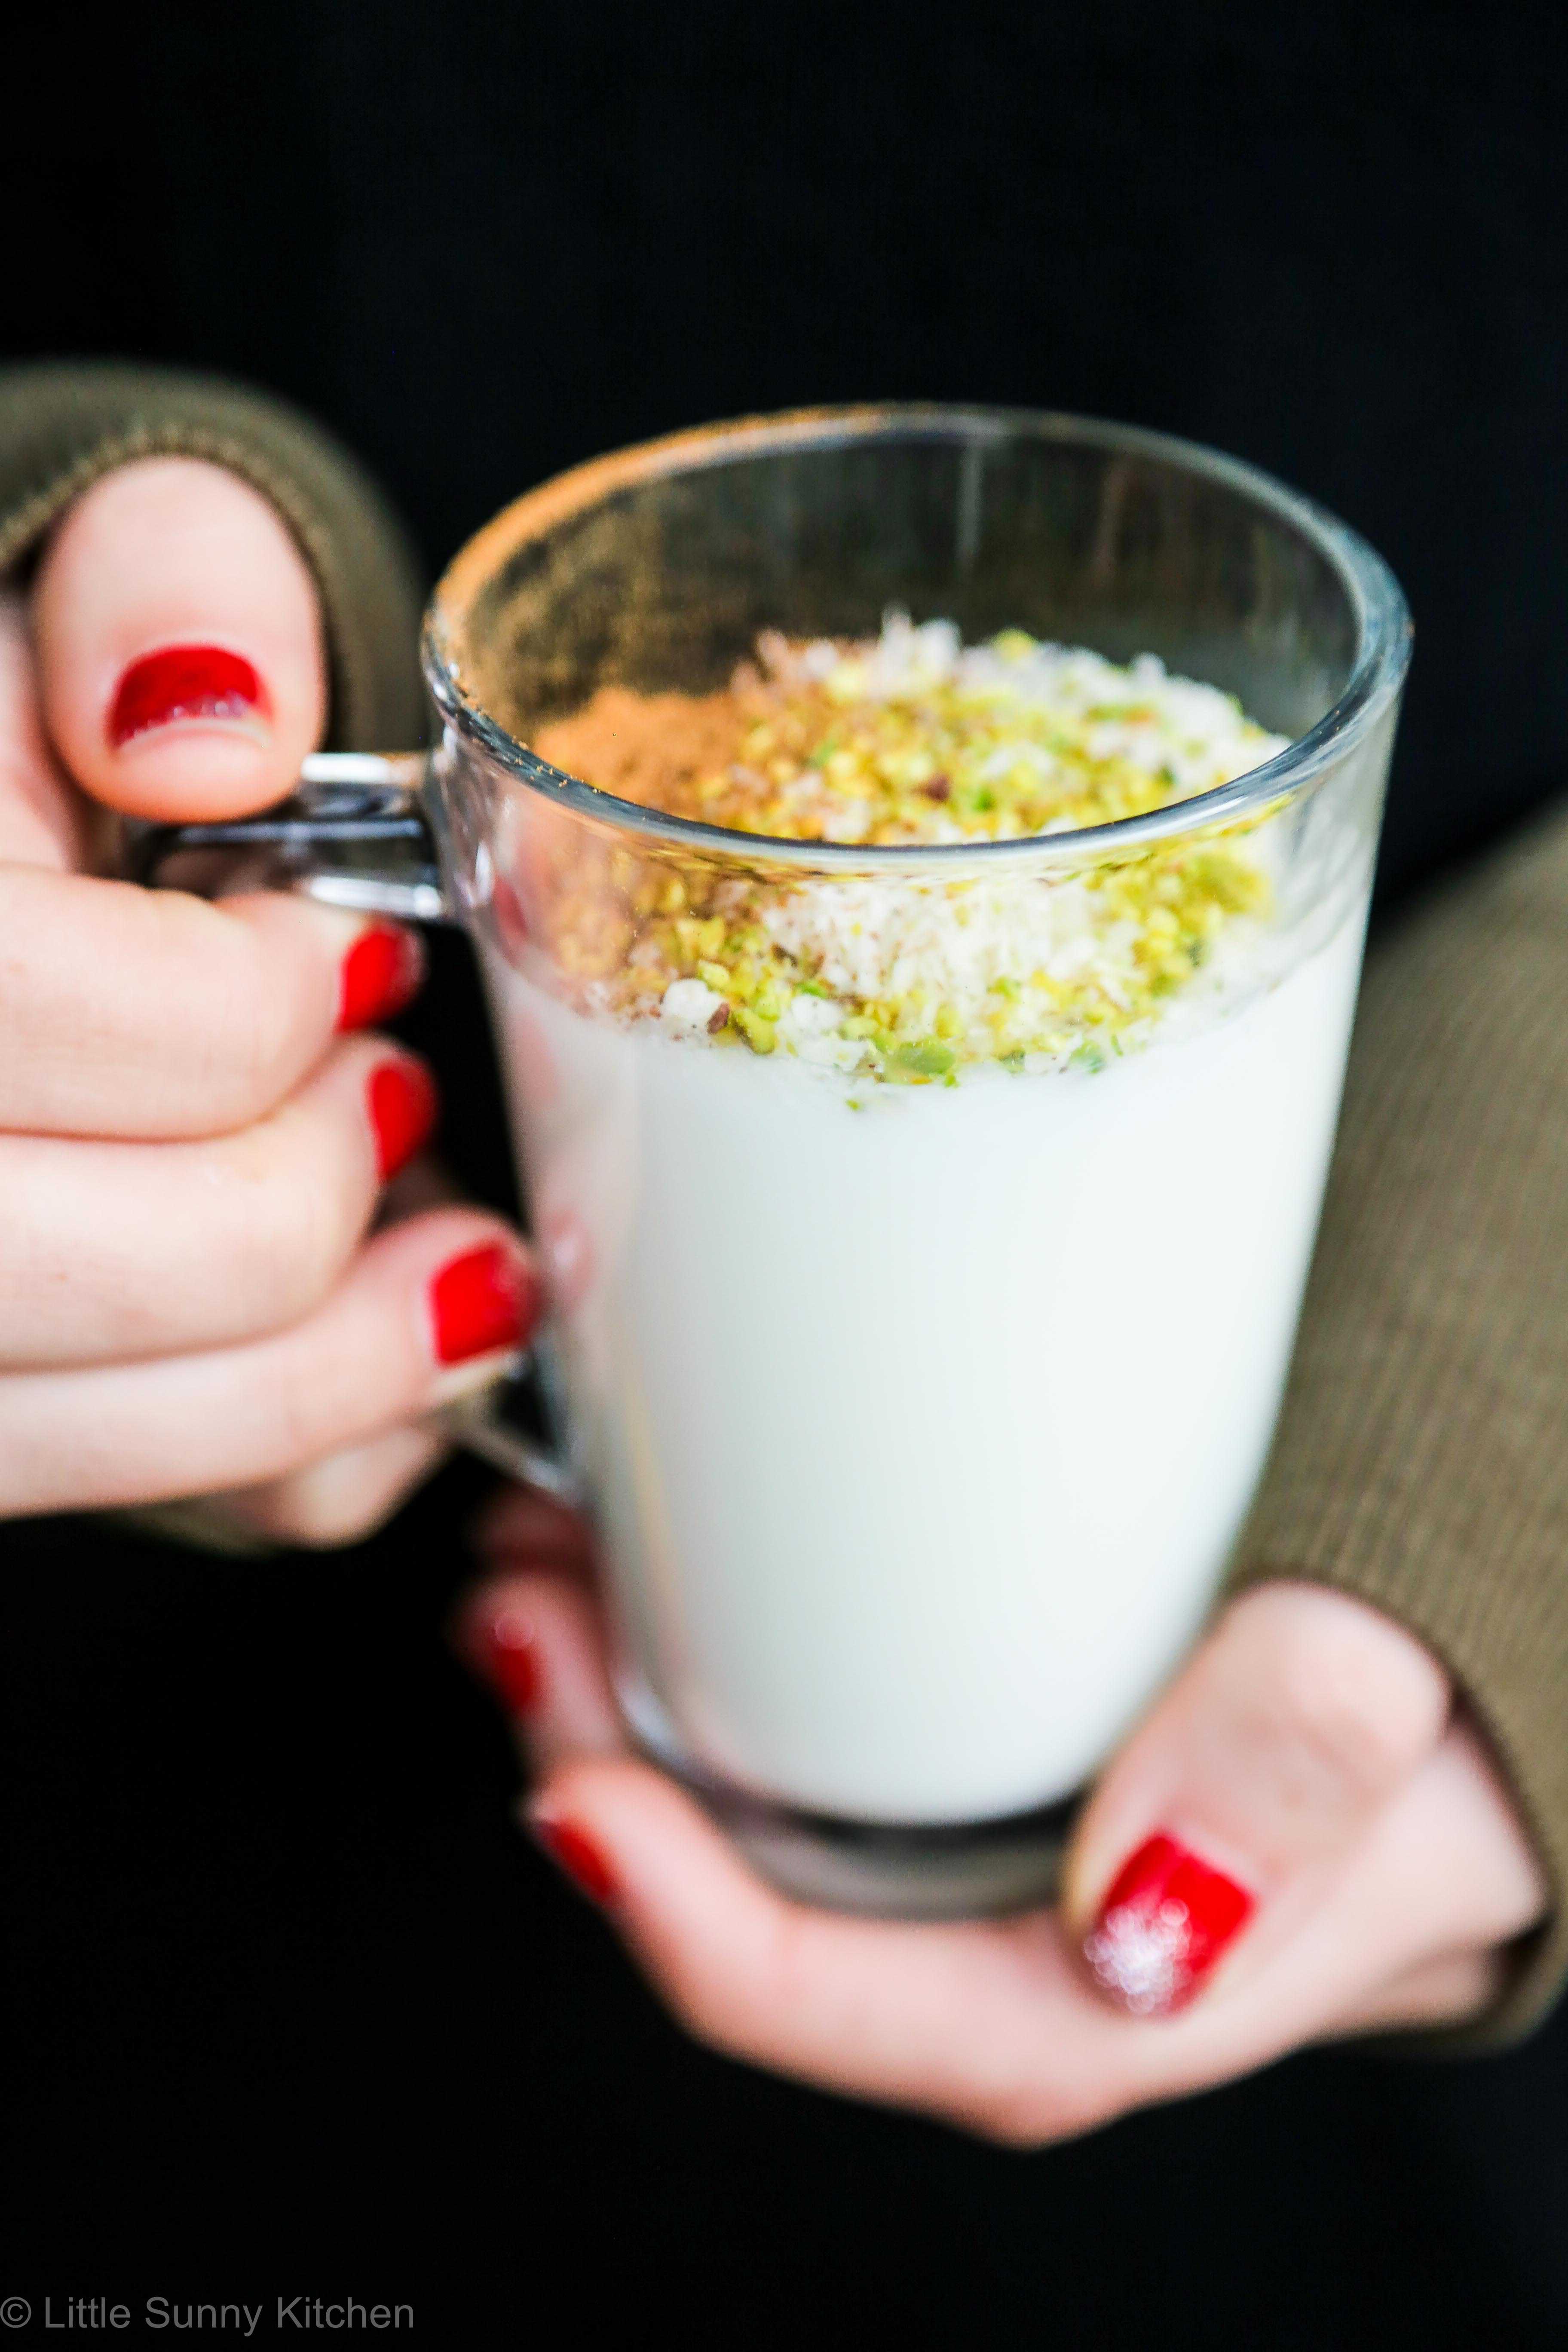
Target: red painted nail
{"points": [[576, 1853], [381, 971], [183, 682], [404, 1104], [507, 1656], [485, 1300], [1161, 1927]]}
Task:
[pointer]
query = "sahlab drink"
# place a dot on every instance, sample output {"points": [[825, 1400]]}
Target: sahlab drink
{"points": [[926, 1253]]}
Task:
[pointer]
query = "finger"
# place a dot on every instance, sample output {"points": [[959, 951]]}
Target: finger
{"points": [[41, 819], [534, 1639], [179, 643], [1232, 1805], [992, 2026], [341, 1499], [1438, 1992], [151, 1015], [989, 2024], [116, 1251], [947, 2019], [927, 2017], [1444, 1870], [519, 1529], [429, 1309]]}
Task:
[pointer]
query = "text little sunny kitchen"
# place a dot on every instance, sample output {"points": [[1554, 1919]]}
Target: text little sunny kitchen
{"points": [[161, 2310]]}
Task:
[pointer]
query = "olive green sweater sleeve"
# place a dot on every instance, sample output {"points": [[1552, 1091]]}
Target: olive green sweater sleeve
{"points": [[63, 425], [1422, 1460]]}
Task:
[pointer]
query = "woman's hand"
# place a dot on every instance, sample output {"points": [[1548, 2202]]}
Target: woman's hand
{"points": [[196, 1122], [1301, 1841]]}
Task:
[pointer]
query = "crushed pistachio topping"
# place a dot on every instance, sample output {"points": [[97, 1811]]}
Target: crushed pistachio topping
{"points": [[910, 737]]}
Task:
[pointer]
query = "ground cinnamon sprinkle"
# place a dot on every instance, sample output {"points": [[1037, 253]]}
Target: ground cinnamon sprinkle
{"points": [[651, 748]]}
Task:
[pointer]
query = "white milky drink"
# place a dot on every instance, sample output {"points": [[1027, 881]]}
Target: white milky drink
{"points": [[920, 1433], [927, 1253]]}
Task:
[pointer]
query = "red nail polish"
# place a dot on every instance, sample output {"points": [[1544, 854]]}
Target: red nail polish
{"points": [[1161, 1927], [507, 1656], [183, 682], [575, 1853], [403, 1103], [382, 972], [484, 1301]]}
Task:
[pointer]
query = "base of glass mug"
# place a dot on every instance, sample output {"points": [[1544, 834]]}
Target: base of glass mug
{"points": [[956, 1870], [892, 1869]]}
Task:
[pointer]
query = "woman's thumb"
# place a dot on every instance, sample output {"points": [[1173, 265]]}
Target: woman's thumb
{"points": [[1235, 1801], [178, 639]]}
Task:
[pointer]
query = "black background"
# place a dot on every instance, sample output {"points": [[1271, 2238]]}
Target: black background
{"points": [[290, 2007]]}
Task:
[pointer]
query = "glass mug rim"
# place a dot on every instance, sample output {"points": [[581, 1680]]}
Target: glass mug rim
{"points": [[1384, 633]]}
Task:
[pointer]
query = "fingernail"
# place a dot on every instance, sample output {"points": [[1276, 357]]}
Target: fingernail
{"points": [[183, 682], [575, 1853], [382, 972], [483, 1302], [402, 1105], [507, 1654], [1163, 1926]]}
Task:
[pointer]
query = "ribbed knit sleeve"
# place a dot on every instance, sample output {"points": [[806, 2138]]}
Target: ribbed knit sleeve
{"points": [[1422, 1461], [62, 426]]}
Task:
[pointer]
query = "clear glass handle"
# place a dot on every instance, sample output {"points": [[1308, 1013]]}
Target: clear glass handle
{"points": [[360, 832], [363, 832]]}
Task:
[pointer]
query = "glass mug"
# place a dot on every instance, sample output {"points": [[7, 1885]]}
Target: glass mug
{"points": [[918, 1441]]}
